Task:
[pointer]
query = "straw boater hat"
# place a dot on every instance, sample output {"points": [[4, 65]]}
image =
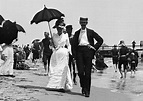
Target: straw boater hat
{"points": [[82, 19]]}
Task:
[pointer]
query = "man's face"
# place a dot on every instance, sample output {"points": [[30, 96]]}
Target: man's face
{"points": [[83, 24], [69, 30]]}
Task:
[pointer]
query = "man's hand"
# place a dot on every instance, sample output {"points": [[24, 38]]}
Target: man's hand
{"points": [[91, 47]]}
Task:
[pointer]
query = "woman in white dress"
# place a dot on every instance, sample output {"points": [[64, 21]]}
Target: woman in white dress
{"points": [[59, 76], [6, 68]]}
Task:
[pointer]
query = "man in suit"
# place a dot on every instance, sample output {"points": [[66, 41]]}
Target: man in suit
{"points": [[83, 51]]}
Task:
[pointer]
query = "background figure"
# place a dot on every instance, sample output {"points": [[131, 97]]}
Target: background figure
{"points": [[6, 69], [45, 47], [123, 52], [27, 50], [114, 53], [59, 75], [133, 58], [100, 64], [36, 51], [84, 50], [71, 58], [132, 62]]}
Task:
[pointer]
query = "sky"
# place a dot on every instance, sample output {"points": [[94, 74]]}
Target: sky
{"points": [[113, 20]]}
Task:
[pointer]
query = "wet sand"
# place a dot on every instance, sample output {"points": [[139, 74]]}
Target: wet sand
{"points": [[30, 85]]}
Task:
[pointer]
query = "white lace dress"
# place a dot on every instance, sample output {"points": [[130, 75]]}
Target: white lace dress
{"points": [[6, 67], [59, 76]]}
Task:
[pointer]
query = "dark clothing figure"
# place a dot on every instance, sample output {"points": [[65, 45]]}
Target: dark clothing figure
{"points": [[123, 60], [115, 55], [84, 50], [133, 59], [27, 51], [47, 52], [100, 64], [35, 51]]}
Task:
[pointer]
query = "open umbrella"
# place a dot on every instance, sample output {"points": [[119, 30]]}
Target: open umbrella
{"points": [[7, 24], [8, 32], [47, 15], [35, 40], [20, 28], [1, 19]]}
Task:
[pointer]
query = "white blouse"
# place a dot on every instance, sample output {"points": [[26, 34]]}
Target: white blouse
{"points": [[61, 41]]}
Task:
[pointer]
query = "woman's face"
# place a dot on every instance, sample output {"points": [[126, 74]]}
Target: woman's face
{"points": [[60, 30]]}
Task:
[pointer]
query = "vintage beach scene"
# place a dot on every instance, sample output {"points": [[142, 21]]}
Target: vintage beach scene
{"points": [[71, 50]]}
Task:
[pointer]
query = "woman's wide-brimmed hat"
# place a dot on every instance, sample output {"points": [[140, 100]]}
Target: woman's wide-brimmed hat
{"points": [[59, 23]]}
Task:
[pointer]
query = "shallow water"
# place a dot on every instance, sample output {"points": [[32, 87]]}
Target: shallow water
{"points": [[132, 85]]}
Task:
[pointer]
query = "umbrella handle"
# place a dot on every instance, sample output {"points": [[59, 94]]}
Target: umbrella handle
{"points": [[51, 35]]}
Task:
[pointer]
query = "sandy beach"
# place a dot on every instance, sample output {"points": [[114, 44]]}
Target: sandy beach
{"points": [[30, 85]]}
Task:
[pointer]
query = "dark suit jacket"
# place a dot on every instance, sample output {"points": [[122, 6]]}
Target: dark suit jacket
{"points": [[91, 35]]}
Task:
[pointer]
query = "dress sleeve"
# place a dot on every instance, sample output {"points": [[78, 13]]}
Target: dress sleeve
{"points": [[68, 44], [5, 54]]}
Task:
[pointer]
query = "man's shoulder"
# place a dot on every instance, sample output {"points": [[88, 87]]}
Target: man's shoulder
{"points": [[45, 39]]}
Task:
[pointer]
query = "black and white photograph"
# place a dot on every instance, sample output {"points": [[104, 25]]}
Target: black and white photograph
{"points": [[71, 50]]}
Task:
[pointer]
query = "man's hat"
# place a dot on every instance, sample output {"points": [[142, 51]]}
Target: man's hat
{"points": [[83, 19], [69, 27], [115, 46]]}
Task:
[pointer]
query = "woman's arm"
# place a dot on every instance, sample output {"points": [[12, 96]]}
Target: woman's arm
{"points": [[68, 44]]}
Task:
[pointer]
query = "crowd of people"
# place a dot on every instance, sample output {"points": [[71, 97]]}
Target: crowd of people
{"points": [[124, 59], [66, 55]]}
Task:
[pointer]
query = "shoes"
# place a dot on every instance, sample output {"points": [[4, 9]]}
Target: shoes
{"points": [[83, 91], [87, 94], [75, 83]]}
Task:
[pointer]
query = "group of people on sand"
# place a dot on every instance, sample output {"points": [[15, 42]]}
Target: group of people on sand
{"points": [[64, 56], [124, 58], [71, 53]]}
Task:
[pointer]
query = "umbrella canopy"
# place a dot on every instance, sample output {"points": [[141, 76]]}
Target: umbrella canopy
{"points": [[46, 15], [20, 28], [1, 19], [7, 24], [8, 32], [35, 40]]}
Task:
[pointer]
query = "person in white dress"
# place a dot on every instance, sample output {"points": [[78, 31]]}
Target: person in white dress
{"points": [[1, 61], [59, 75], [6, 68]]}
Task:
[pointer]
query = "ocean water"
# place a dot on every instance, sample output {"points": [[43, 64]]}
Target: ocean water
{"points": [[132, 85]]}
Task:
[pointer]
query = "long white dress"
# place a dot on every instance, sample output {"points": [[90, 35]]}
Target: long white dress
{"points": [[59, 76], [6, 67]]}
